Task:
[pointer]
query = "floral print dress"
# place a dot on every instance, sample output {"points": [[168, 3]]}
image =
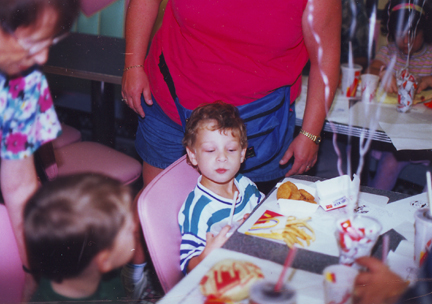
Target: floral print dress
{"points": [[27, 115]]}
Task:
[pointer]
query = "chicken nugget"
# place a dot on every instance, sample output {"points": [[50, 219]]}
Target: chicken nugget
{"points": [[284, 191], [307, 196]]}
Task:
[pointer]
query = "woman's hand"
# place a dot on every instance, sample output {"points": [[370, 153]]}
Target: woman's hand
{"points": [[305, 153], [134, 84], [377, 285]]}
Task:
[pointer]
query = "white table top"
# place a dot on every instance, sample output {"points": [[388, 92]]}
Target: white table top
{"points": [[397, 216], [415, 125]]}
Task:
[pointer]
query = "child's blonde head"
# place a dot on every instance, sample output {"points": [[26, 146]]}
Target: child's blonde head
{"points": [[70, 220]]}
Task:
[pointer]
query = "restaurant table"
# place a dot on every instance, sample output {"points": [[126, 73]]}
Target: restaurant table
{"points": [[308, 264], [353, 117], [99, 59]]}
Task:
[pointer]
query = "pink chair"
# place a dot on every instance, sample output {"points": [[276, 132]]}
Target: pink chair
{"points": [[11, 272], [89, 156], [69, 136], [158, 207]]}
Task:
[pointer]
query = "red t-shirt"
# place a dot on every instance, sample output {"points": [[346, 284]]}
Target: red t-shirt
{"points": [[234, 51]]}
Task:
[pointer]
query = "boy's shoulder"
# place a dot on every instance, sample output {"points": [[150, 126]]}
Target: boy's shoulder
{"points": [[110, 288]]}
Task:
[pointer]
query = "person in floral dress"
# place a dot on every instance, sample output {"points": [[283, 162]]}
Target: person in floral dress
{"points": [[27, 117]]}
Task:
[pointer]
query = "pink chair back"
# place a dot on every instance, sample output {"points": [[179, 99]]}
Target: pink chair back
{"points": [[87, 156], [11, 272], [158, 207]]}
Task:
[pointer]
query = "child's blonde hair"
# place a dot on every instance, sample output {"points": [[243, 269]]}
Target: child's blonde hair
{"points": [[70, 220]]}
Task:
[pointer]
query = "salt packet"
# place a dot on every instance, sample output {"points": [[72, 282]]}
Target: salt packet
{"points": [[407, 86], [337, 192]]}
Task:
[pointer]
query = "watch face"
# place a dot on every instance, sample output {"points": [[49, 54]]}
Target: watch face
{"points": [[318, 140]]}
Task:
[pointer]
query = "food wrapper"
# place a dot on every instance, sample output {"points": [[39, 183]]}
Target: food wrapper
{"points": [[356, 238], [337, 192], [407, 86]]}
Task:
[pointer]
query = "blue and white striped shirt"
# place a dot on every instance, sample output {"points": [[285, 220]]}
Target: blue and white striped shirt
{"points": [[203, 208]]}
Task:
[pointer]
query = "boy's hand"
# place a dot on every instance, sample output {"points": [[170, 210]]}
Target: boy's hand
{"points": [[377, 285], [212, 242], [391, 85], [424, 83]]}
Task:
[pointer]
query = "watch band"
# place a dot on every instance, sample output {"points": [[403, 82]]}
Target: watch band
{"points": [[315, 138]]}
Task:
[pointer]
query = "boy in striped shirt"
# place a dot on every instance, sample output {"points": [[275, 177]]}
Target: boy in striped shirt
{"points": [[216, 142]]}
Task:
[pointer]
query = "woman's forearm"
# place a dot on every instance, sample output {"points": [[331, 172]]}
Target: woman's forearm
{"points": [[140, 18], [322, 21]]}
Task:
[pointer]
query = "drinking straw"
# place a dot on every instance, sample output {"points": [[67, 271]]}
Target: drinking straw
{"points": [[385, 248], [429, 191], [233, 208], [288, 261]]}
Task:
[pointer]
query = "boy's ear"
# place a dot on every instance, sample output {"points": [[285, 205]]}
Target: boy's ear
{"points": [[103, 261], [192, 156], [243, 154]]}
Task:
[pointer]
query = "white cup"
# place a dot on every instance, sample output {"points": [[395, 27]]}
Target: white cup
{"points": [[356, 238], [369, 84], [339, 284], [350, 79], [262, 292], [217, 227], [422, 236]]}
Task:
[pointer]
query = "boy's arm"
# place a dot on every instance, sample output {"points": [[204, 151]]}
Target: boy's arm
{"points": [[212, 242]]}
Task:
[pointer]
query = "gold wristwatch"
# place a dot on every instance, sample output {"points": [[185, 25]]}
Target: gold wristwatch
{"points": [[316, 139]]}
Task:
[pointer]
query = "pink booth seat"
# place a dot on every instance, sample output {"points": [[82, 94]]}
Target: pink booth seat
{"points": [[69, 136], [89, 156], [158, 207], [11, 272]]}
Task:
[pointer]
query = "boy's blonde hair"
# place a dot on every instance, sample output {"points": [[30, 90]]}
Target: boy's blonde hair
{"points": [[226, 117], [70, 220]]}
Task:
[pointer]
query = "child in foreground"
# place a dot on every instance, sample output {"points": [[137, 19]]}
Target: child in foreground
{"points": [[216, 142], [78, 231]]}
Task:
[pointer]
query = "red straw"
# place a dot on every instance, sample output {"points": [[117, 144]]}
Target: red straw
{"points": [[288, 261], [385, 248]]}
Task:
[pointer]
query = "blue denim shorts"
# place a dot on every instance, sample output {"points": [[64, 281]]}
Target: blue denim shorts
{"points": [[159, 142], [158, 138]]}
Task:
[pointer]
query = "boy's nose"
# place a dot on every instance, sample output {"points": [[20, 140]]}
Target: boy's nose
{"points": [[222, 156]]}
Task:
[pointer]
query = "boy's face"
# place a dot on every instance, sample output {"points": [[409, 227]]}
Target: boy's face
{"points": [[404, 42], [123, 247], [218, 155]]}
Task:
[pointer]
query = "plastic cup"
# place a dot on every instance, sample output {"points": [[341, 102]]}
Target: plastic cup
{"points": [[339, 284], [262, 292], [423, 235], [350, 79], [356, 238], [407, 86], [217, 227], [369, 84]]}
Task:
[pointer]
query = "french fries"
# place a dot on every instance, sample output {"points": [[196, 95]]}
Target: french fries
{"points": [[289, 190], [294, 232]]}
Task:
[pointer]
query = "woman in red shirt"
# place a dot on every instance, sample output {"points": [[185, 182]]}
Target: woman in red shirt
{"points": [[235, 51]]}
